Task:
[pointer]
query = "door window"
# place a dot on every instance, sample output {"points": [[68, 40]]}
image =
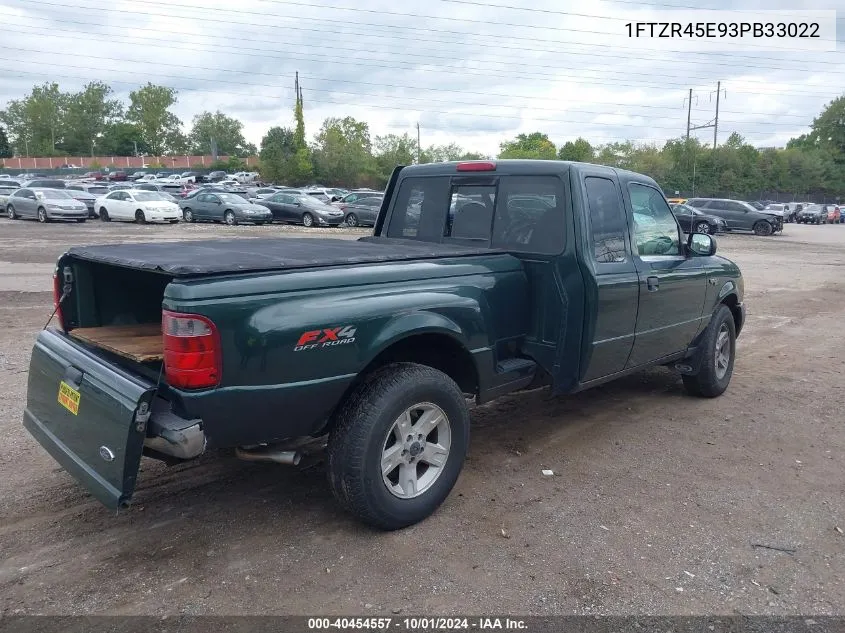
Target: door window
{"points": [[530, 215], [607, 221], [655, 228], [420, 209], [471, 212]]}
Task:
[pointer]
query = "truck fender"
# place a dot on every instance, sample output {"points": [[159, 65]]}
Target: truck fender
{"points": [[692, 362], [728, 288], [407, 325]]}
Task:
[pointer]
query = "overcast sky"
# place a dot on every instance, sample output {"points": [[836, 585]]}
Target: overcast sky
{"points": [[467, 73]]}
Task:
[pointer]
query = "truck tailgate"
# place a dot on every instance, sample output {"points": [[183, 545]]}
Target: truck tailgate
{"points": [[89, 414]]}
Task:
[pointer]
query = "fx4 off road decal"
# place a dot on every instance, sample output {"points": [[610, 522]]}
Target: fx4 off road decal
{"points": [[327, 337]]}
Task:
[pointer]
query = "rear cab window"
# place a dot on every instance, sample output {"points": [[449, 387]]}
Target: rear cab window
{"points": [[510, 212]]}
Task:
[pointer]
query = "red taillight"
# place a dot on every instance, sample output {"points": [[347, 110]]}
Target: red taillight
{"points": [[477, 166], [191, 351], [57, 296]]}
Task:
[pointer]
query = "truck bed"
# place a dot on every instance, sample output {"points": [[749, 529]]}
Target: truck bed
{"points": [[141, 342], [212, 257]]}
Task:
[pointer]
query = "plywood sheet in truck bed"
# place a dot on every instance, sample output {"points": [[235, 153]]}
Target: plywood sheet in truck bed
{"points": [[141, 343]]}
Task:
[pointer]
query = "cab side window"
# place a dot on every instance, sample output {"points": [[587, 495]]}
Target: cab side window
{"points": [[656, 231], [607, 220]]}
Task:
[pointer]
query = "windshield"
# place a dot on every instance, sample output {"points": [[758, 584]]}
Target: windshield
{"points": [[148, 196], [54, 194], [97, 190], [231, 198], [310, 201]]}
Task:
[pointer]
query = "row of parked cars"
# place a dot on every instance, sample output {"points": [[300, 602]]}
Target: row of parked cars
{"points": [[763, 217], [150, 200]]}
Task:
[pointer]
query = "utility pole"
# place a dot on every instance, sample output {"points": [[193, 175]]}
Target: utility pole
{"points": [[419, 150], [136, 147], [716, 122], [689, 112]]}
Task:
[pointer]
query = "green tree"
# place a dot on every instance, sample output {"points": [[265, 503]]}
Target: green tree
{"points": [[5, 148], [121, 139], [299, 117], [89, 112], [217, 129], [828, 129], [278, 148], [150, 111], [578, 150], [392, 150], [343, 152], [534, 145], [446, 153], [36, 122]]}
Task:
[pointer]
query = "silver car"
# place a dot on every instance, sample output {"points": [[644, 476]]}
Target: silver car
{"points": [[44, 205]]}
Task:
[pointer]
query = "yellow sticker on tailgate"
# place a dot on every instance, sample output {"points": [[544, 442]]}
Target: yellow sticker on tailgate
{"points": [[69, 398]]}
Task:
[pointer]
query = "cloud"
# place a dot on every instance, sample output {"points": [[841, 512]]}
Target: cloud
{"points": [[467, 73]]}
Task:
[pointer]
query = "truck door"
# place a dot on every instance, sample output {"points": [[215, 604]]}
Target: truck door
{"points": [[611, 281], [672, 285]]}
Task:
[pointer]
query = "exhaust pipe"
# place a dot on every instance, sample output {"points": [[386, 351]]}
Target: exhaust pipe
{"points": [[288, 458]]}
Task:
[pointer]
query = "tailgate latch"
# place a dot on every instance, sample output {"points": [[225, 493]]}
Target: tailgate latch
{"points": [[142, 417]]}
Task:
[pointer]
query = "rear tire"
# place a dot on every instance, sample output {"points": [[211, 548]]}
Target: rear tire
{"points": [[717, 358], [351, 220], [762, 228], [104, 215], [229, 218], [140, 218], [365, 451], [42, 215], [307, 220], [188, 215], [10, 211]]}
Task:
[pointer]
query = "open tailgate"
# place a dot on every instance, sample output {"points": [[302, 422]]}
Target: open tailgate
{"points": [[89, 414]]}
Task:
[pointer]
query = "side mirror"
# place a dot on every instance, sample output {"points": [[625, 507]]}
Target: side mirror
{"points": [[701, 244]]}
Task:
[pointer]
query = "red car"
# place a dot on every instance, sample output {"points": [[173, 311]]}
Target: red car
{"points": [[117, 176], [93, 175], [834, 214]]}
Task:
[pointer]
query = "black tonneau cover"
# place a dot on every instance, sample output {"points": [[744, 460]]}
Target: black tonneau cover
{"points": [[210, 257]]}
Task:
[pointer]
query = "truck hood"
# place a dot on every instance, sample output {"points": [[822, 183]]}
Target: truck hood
{"points": [[215, 257]]}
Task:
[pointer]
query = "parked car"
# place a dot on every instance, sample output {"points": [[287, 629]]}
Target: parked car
{"points": [[362, 212], [261, 192], [352, 196], [228, 208], [117, 176], [672, 201], [191, 176], [762, 204], [302, 209], [783, 209], [135, 205], [215, 176], [86, 198], [93, 175], [244, 177], [6, 191], [693, 220], [121, 186], [834, 216], [812, 214], [45, 183], [95, 188], [161, 189], [377, 344], [137, 175], [740, 216], [45, 204], [147, 178]]}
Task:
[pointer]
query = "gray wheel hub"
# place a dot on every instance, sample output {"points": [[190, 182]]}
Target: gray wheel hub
{"points": [[723, 351], [415, 450]]}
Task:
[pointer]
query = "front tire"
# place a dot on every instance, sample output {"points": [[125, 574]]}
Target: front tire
{"points": [[398, 445], [104, 215], [351, 220], [717, 358], [140, 218], [307, 220], [188, 215], [702, 227], [762, 228], [229, 218]]}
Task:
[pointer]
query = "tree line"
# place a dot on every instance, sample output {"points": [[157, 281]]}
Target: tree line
{"points": [[50, 122]]}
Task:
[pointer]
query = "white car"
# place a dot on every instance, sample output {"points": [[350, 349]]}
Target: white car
{"points": [[244, 177], [135, 205], [147, 178]]}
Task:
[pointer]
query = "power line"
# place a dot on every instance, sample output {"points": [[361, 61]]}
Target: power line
{"points": [[392, 66], [384, 107], [252, 73], [415, 28], [336, 91]]}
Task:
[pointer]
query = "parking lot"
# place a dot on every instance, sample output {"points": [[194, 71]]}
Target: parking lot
{"points": [[660, 503]]}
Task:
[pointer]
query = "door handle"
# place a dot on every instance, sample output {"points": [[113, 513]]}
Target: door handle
{"points": [[73, 376], [653, 284]]}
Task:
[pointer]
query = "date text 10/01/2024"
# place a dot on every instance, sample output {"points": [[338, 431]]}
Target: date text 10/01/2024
{"points": [[416, 624]]}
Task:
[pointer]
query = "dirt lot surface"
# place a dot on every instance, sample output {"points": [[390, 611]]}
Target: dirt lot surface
{"points": [[660, 503]]}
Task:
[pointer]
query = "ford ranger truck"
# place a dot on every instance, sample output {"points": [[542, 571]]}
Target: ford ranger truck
{"points": [[481, 278]]}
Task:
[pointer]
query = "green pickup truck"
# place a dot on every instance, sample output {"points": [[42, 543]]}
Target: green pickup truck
{"points": [[481, 278]]}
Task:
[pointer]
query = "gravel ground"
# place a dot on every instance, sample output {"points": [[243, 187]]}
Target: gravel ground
{"points": [[660, 503]]}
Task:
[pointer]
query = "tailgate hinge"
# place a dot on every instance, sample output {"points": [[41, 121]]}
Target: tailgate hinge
{"points": [[142, 416]]}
